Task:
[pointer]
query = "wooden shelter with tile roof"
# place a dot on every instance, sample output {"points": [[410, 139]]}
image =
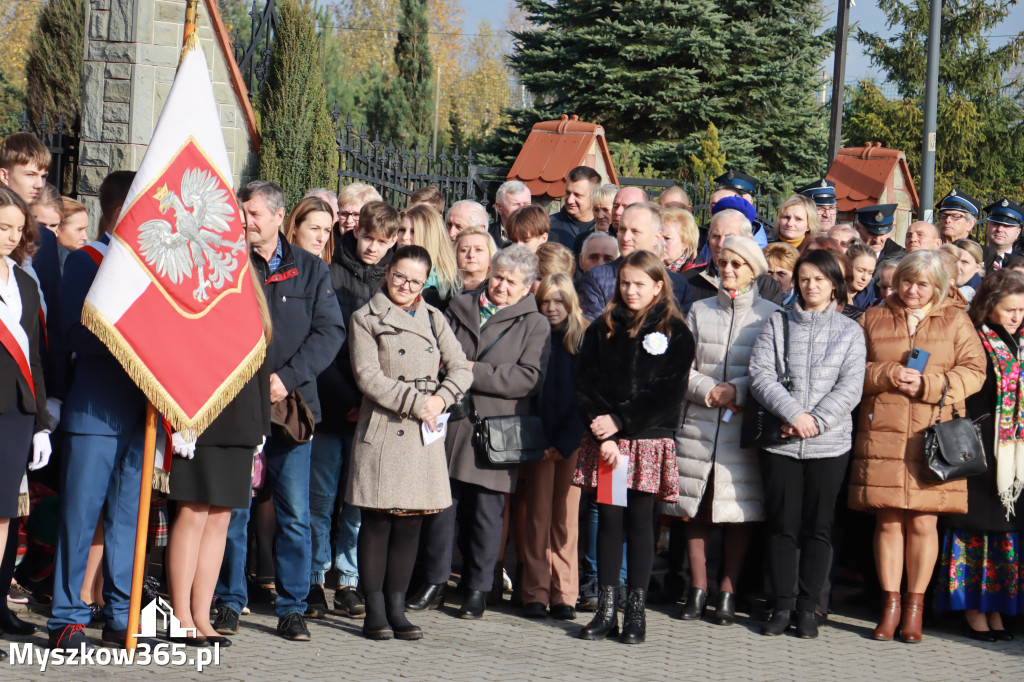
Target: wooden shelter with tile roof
{"points": [[873, 174], [554, 148]]}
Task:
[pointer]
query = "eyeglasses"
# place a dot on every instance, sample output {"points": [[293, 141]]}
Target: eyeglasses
{"points": [[734, 264], [952, 216], [831, 210], [401, 280], [348, 215]]}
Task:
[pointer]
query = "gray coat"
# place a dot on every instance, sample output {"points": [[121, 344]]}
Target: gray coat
{"points": [[724, 330], [505, 383], [390, 350], [827, 357]]}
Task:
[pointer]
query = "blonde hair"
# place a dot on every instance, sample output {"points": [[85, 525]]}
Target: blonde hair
{"points": [[604, 194], [300, 213], [684, 224], [927, 263], [430, 233], [813, 224], [972, 247], [553, 258], [950, 256], [575, 323], [781, 254], [357, 193]]}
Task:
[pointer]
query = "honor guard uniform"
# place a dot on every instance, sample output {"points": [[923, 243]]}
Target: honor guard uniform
{"points": [[823, 194], [1005, 215]]}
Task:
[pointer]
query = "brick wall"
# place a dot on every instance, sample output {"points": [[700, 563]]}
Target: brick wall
{"points": [[131, 52]]}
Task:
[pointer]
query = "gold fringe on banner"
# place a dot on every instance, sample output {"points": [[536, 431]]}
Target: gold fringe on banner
{"points": [[161, 399], [162, 479], [191, 43], [24, 502]]}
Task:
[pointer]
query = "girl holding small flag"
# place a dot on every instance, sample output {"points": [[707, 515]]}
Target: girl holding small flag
{"points": [[630, 385]]}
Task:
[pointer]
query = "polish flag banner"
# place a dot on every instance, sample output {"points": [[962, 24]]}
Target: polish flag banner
{"points": [[611, 482], [174, 299]]}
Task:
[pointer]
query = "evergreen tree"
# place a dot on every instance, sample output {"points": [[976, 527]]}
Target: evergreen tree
{"points": [[401, 109], [979, 135], [711, 162], [657, 72], [54, 68], [299, 148]]}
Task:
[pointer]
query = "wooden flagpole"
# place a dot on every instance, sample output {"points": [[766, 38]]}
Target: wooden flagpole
{"points": [[149, 455]]}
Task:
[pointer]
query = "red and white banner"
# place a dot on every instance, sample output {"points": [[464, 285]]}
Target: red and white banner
{"points": [[174, 299], [611, 482]]}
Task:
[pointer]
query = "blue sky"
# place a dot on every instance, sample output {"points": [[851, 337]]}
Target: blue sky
{"points": [[857, 64]]}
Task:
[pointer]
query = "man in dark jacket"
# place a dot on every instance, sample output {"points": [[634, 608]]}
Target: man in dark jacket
{"points": [[639, 230], [357, 272], [577, 215], [308, 331]]}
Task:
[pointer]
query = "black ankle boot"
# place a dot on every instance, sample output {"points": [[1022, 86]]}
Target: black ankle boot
{"points": [[696, 600], [375, 625], [606, 620], [427, 598], [473, 604], [394, 607], [778, 623], [806, 625], [634, 620], [725, 609], [13, 625]]}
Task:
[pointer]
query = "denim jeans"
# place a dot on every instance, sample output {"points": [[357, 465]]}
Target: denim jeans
{"points": [[326, 490], [288, 473], [588, 501], [101, 476]]}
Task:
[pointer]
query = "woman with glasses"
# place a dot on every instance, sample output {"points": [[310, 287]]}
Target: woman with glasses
{"points": [[720, 481], [398, 342], [351, 200], [508, 340]]}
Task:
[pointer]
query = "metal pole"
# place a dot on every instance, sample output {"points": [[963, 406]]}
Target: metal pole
{"points": [[931, 92], [835, 129], [437, 105]]}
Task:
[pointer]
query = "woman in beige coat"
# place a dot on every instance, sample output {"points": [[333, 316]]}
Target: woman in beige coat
{"points": [[888, 472], [398, 343], [719, 481]]}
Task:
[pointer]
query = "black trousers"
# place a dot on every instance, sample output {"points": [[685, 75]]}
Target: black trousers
{"points": [[483, 537], [632, 523], [800, 505]]}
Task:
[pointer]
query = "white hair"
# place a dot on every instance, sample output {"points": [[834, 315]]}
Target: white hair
{"points": [[320, 192], [516, 257], [594, 236], [510, 187], [475, 209], [746, 229]]}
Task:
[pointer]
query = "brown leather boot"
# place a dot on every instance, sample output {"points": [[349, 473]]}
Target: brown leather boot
{"points": [[890, 617], [913, 613]]}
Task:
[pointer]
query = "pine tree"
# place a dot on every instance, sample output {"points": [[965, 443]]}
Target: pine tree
{"points": [[980, 139], [299, 148], [55, 67], [657, 72], [401, 109], [711, 162]]}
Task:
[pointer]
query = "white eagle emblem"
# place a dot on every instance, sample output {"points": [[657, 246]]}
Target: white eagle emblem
{"points": [[193, 242]]}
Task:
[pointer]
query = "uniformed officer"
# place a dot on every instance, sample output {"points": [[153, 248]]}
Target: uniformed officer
{"points": [[1003, 229], [874, 224], [823, 194], [958, 214]]}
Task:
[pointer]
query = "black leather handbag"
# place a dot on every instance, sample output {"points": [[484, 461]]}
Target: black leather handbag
{"points": [[760, 427], [953, 449], [509, 441]]}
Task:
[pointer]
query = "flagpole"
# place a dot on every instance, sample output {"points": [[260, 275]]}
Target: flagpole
{"points": [[149, 454]]}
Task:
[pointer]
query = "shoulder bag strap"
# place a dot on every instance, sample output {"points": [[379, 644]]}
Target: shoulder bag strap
{"points": [[785, 379], [497, 338]]}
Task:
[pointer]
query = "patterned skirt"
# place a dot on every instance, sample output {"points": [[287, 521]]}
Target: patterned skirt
{"points": [[652, 466], [981, 571]]}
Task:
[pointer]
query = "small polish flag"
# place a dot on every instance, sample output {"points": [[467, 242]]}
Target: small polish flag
{"points": [[611, 482]]}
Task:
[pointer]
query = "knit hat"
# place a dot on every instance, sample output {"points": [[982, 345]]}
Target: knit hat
{"points": [[737, 204], [749, 251]]}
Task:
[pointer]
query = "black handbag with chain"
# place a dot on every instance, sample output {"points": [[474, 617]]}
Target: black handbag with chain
{"points": [[953, 449], [760, 427], [509, 441]]}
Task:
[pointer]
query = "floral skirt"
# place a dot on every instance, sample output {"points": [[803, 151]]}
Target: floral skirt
{"points": [[652, 466], [981, 571]]}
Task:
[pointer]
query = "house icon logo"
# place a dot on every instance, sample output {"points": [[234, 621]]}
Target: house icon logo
{"points": [[159, 609]]}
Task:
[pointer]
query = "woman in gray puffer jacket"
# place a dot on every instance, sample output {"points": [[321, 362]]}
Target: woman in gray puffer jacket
{"points": [[802, 478]]}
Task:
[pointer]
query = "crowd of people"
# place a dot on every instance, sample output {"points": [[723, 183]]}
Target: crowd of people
{"points": [[736, 383]]}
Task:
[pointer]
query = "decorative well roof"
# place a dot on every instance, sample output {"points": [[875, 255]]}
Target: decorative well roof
{"points": [[553, 148], [862, 174]]}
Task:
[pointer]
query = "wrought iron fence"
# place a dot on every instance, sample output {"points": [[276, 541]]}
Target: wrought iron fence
{"points": [[700, 196], [254, 58], [397, 172], [62, 142]]}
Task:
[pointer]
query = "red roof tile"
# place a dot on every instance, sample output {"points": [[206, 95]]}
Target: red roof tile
{"points": [[553, 148], [862, 174]]}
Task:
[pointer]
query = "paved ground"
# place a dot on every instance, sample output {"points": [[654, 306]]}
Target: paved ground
{"points": [[504, 646]]}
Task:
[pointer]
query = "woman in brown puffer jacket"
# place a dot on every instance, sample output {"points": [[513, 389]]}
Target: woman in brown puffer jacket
{"points": [[888, 474]]}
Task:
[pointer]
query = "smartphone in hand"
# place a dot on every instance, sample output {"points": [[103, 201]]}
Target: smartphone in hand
{"points": [[918, 359]]}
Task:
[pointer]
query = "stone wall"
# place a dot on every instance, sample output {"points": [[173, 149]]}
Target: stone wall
{"points": [[131, 52]]}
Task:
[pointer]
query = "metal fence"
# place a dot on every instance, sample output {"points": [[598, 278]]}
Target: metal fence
{"points": [[398, 172], [253, 57], [62, 142]]}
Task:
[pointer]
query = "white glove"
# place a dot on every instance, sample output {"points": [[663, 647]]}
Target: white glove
{"points": [[182, 446], [259, 448], [53, 407], [41, 451]]}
